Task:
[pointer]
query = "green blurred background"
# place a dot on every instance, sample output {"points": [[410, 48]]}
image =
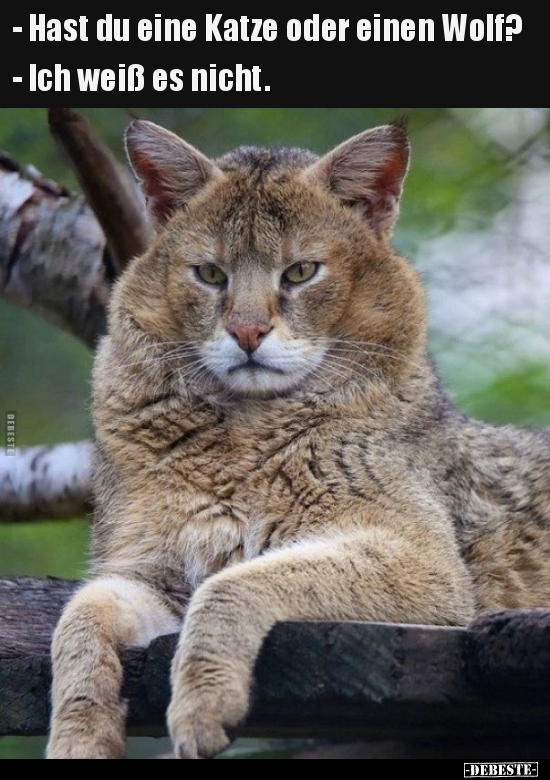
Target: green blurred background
{"points": [[475, 221]]}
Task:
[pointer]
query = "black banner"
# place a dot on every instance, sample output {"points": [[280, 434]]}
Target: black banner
{"points": [[159, 58]]}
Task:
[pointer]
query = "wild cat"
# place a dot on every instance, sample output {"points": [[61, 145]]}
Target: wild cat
{"points": [[273, 443]]}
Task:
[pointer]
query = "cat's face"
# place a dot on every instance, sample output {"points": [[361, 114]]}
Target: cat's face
{"points": [[261, 278], [263, 285]]}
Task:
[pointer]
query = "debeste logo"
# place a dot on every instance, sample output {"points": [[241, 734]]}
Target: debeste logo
{"points": [[502, 769]]}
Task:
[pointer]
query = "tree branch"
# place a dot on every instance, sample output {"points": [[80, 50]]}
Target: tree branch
{"points": [[108, 190], [53, 261], [51, 253], [45, 483]]}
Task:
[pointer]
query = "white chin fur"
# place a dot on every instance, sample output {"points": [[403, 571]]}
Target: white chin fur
{"points": [[259, 382], [291, 362]]}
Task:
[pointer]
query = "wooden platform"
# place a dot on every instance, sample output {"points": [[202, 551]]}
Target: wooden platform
{"points": [[341, 680]]}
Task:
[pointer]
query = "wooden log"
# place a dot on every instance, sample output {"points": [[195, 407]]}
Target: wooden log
{"points": [[511, 650], [335, 680]]}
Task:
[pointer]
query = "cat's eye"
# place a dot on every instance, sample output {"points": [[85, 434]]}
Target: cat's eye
{"points": [[211, 274], [300, 272]]}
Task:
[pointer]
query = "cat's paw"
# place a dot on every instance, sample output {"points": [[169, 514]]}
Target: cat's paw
{"points": [[205, 703], [197, 736]]}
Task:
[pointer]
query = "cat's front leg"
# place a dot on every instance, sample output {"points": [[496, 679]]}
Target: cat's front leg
{"points": [[374, 574], [210, 682], [104, 617]]}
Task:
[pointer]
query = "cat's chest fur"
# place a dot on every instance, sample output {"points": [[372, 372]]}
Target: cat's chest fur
{"points": [[230, 484]]}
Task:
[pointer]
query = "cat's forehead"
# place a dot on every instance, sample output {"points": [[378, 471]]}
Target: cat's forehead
{"points": [[260, 188], [247, 242], [255, 217]]}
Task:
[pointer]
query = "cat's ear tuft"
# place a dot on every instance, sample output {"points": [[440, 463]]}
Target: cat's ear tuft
{"points": [[169, 170], [368, 172]]}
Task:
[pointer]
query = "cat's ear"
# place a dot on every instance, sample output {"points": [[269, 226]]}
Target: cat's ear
{"points": [[367, 172], [169, 170]]}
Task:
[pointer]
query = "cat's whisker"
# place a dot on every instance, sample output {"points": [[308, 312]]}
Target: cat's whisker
{"points": [[357, 369], [348, 383], [148, 362], [360, 365], [151, 360], [351, 345], [379, 350], [354, 365], [197, 372]]}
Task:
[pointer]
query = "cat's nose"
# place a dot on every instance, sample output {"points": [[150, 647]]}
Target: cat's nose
{"points": [[248, 335]]}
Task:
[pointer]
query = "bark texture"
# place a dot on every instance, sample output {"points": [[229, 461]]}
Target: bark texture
{"points": [[52, 253]]}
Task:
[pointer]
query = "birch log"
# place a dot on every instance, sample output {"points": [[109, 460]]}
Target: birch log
{"points": [[44, 483], [51, 253]]}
